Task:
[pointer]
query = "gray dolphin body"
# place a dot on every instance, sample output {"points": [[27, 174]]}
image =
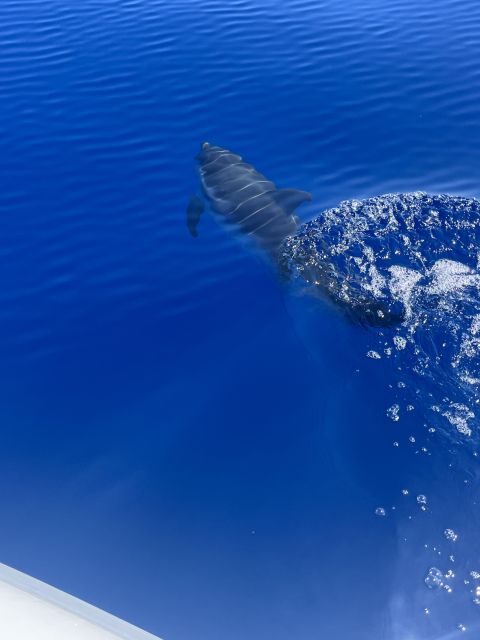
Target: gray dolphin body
{"points": [[244, 198], [251, 204]]}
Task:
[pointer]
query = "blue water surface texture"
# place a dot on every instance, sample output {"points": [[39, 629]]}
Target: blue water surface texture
{"points": [[187, 440]]}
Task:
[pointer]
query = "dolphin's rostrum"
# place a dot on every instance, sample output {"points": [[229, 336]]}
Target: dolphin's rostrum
{"points": [[252, 204]]}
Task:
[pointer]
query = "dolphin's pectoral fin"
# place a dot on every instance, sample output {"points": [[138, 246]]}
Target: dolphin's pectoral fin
{"points": [[194, 211], [290, 199]]}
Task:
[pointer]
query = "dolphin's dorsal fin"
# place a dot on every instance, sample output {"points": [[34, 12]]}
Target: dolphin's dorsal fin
{"points": [[290, 199], [194, 211]]}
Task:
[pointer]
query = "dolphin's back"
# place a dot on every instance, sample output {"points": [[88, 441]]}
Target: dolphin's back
{"points": [[245, 198]]}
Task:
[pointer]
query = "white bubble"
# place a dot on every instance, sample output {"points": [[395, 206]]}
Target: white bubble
{"points": [[393, 411], [374, 355], [450, 535], [399, 342], [476, 597], [405, 492], [421, 499], [434, 578], [380, 511]]}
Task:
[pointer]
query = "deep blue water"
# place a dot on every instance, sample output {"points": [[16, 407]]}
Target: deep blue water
{"points": [[184, 442]]}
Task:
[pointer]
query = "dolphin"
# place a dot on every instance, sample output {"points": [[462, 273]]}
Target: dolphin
{"points": [[250, 203], [244, 198]]}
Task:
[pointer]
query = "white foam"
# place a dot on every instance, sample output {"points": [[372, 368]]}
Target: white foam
{"points": [[459, 416], [402, 284], [449, 275]]}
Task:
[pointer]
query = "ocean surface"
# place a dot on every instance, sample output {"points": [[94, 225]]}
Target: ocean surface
{"points": [[186, 441]]}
